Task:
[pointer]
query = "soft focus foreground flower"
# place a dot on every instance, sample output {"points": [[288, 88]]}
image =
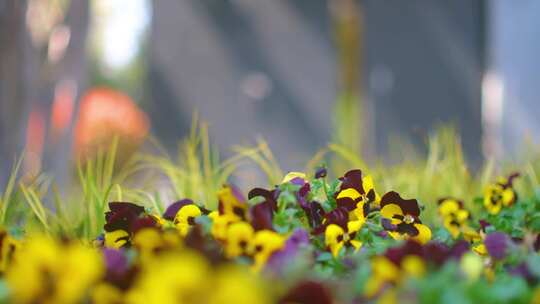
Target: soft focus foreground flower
{"points": [[400, 218], [186, 277], [172, 278], [265, 243], [395, 266], [308, 292], [149, 241], [47, 271], [500, 194], [497, 245], [454, 215], [472, 265], [8, 247], [281, 259], [233, 284]]}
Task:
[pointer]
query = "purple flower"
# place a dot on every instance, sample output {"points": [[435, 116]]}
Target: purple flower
{"points": [[115, 261], [171, 211], [497, 245], [278, 260], [321, 172]]}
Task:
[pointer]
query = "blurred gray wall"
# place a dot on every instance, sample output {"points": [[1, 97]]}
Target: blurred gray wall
{"points": [[514, 58], [258, 67], [250, 68], [424, 67]]}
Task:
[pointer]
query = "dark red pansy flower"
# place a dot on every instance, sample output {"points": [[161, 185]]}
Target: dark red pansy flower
{"points": [[348, 199], [143, 222], [338, 216], [270, 196], [308, 292], [396, 254], [261, 215], [121, 216], [408, 206]]}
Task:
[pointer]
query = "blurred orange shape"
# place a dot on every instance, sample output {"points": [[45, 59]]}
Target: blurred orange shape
{"points": [[35, 138], [62, 108], [105, 113]]}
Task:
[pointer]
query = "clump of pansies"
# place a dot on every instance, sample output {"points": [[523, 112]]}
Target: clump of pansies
{"points": [[305, 240]]}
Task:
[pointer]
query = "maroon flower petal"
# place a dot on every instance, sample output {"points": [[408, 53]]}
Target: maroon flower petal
{"points": [[352, 179], [459, 249], [347, 203], [436, 252], [143, 222], [261, 216], [396, 254], [270, 196], [308, 292], [121, 216], [408, 206]]}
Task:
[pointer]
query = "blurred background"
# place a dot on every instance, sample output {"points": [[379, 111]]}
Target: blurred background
{"points": [[375, 76]]}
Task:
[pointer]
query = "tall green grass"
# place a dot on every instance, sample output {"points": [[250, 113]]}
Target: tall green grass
{"points": [[155, 179]]}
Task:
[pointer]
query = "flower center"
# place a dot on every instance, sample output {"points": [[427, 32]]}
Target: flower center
{"points": [[408, 219]]}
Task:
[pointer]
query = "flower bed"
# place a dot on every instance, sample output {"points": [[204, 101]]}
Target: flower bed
{"points": [[306, 240]]}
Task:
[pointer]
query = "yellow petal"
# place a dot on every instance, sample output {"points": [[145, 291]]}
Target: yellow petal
{"points": [[116, 239], [462, 215], [448, 206], [480, 249], [356, 244], [388, 211], [384, 268], [367, 183], [332, 237], [355, 226], [472, 265], [508, 197], [348, 193], [396, 235], [424, 233], [414, 266]]}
